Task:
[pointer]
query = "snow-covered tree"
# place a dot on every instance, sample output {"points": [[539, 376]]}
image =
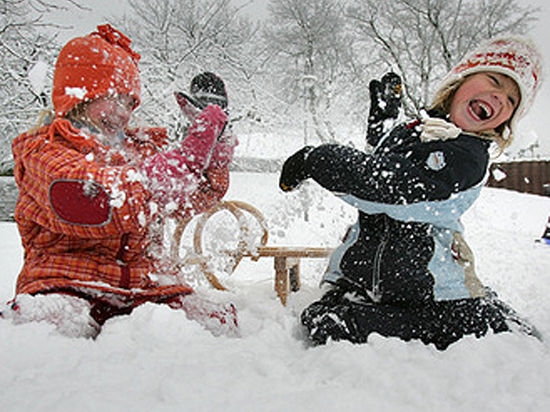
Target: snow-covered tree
{"points": [[181, 38], [26, 54], [423, 39], [309, 54], [28, 49], [307, 66]]}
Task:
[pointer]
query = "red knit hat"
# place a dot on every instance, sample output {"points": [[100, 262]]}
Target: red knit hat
{"points": [[97, 65]]}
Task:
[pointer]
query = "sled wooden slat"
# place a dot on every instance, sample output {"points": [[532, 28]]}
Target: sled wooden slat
{"points": [[287, 265], [291, 251], [286, 259]]}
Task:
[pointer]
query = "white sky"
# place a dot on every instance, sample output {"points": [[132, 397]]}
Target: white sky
{"points": [[534, 126]]}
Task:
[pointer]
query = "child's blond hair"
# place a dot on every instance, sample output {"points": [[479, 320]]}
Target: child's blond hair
{"points": [[47, 115]]}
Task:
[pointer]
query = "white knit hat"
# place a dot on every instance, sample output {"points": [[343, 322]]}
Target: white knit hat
{"points": [[515, 57]]}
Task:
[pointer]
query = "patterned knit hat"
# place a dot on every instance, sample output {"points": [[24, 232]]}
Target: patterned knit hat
{"points": [[209, 88], [97, 65], [514, 57]]}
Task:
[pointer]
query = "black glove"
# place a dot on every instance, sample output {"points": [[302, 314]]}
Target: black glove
{"points": [[294, 170], [385, 98], [385, 102]]}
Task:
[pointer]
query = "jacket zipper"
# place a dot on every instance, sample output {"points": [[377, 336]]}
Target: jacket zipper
{"points": [[124, 269], [376, 295]]}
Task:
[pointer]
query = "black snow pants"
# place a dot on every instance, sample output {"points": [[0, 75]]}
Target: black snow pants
{"points": [[339, 315]]}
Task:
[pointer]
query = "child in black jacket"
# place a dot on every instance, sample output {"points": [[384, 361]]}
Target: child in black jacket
{"points": [[403, 268]]}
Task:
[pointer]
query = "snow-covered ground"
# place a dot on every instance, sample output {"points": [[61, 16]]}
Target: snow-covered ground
{"points": [[157, 360]]}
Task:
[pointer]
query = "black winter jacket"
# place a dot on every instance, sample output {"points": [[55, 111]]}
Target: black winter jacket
{"points": [[406, 246]]}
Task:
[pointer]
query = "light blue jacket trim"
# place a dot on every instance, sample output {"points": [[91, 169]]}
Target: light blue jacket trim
{"points": [[333, 273], [449, 276], [441, 213]]}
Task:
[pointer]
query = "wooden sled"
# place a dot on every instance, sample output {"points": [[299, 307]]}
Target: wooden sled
{"points": [[286, 259]]}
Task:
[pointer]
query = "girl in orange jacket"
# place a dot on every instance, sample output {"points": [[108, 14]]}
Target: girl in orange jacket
{"points": [[91, 190]]}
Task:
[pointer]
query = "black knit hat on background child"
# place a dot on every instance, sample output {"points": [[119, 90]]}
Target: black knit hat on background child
{"points": [[208, 88]]}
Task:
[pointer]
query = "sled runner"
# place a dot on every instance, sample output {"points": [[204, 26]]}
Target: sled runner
{"points": [[286, 259]]}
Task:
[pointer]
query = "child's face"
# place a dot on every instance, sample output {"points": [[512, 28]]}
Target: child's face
{"points": [[484, 101], [110, 114]]}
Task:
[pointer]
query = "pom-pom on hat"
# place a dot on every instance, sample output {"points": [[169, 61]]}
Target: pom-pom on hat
{"points": [[515, 57], [98, 65], [209, 88]]}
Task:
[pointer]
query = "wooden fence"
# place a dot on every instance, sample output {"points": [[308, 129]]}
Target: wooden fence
{"points": [[525, 176]]}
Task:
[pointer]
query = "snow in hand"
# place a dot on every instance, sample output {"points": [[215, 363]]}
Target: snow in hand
{"points": [[157, 359]]}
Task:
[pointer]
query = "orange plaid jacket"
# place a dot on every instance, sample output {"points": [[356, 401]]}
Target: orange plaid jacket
{"points": [[66, 247]]}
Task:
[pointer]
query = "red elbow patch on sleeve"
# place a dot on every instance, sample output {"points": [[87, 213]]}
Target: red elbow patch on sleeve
{"points": [[80, 202]]}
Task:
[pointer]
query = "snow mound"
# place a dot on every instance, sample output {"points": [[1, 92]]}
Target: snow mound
{"points": [[156, 359]]}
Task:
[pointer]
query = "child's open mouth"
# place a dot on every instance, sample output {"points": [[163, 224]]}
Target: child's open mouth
{"points": [[481, 110]]}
